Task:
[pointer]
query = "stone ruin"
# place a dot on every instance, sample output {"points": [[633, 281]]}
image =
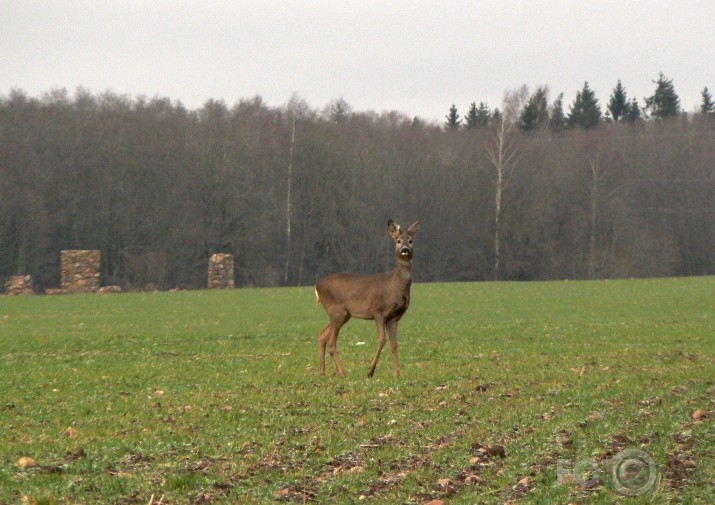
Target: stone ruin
{"points": [[80, 271], [19, 285], [221, 271]]}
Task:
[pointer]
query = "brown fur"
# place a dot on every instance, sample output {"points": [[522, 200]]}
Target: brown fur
{"points": [[383, 297]]}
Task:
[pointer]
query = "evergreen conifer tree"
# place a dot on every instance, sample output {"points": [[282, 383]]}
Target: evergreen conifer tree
{"points": [[536, 112], [527, 119], [618, 103], [484, 115], [496, 115], [453, 120], [558, 120], [340, 111], [664, 102], [471, 117], [585, 110], [707, 106], [632, 112]]}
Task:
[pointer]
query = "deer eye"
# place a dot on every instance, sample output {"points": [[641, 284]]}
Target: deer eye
{"points": [[410, 242], [399, 240]]}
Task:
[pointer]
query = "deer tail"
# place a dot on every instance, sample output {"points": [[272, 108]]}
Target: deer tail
{"points": [[317, 296]]}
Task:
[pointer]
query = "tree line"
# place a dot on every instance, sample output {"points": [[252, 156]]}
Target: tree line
{"points": [[584, 112], [296, 193]]}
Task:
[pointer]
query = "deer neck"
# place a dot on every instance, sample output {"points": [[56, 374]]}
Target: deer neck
{"points": [[403, 271]]}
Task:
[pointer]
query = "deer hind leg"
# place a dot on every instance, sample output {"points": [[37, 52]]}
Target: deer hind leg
{"points": [[323, 339], [332, 340], [381, 343], [392, 331]]}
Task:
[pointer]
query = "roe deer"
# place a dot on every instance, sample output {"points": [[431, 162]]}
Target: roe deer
{"points": [[382, 297]]}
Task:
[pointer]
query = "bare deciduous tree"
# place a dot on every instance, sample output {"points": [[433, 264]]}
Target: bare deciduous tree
{"points": [[159, 188], [501, 152]]}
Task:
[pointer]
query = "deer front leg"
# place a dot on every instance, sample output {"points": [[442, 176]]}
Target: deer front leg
{"points": [[392, 331], [381, 343]]}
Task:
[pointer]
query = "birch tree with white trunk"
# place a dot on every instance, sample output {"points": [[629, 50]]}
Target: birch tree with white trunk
{"points": [[502, 151]]}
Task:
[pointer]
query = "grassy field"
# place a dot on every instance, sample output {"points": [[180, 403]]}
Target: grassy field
{"points": [[510, 392]]}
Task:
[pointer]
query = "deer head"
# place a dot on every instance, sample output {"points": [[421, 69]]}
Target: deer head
{"points": [[403, 240]]}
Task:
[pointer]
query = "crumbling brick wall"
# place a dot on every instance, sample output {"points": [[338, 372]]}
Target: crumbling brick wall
{"points": [[80, 271], [221, 271], [19, 285]]}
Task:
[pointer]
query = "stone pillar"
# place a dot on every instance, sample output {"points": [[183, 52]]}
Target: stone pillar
{"points": [[221, 271], [80, 271], [19, 285]]}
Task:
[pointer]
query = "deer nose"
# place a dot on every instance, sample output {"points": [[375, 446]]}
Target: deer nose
{"points": [[405, 250]]}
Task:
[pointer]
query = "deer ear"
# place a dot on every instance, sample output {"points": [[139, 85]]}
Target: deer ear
{"points": [[413, 229], [393, 228]]}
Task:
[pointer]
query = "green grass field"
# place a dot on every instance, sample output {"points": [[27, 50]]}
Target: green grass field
{"points": [[506, 389]]}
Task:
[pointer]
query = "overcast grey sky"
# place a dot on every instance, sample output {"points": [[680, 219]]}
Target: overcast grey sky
{"points": [[416, 57]]}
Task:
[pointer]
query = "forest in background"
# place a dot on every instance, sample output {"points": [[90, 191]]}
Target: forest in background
{"points": [[527, 192]]}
